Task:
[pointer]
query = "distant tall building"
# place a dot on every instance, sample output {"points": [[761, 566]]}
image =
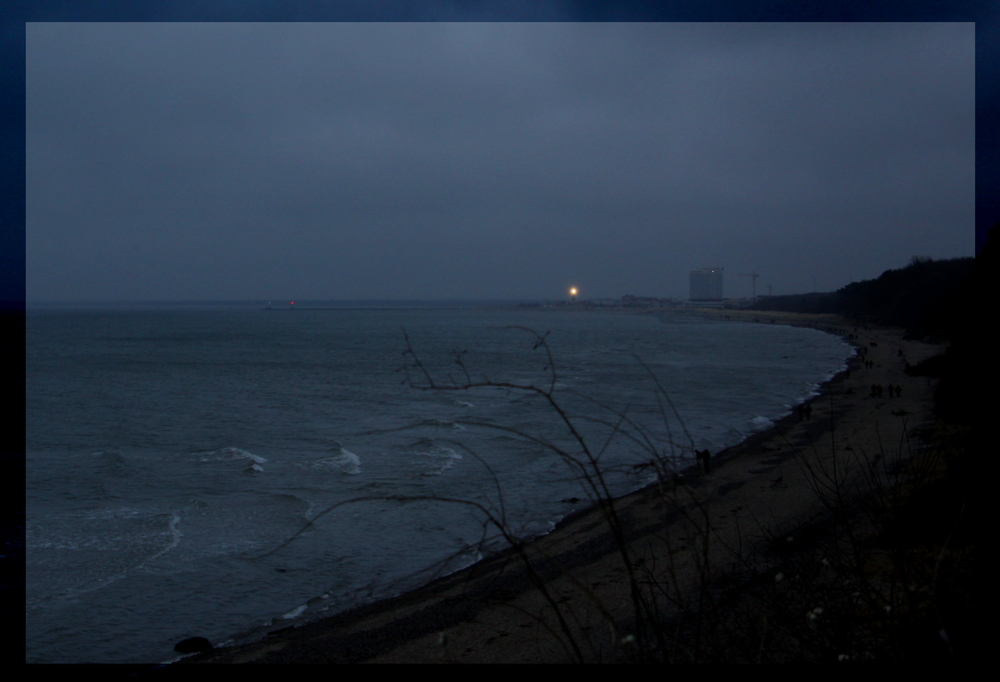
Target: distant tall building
{"points": [[706, 284]]}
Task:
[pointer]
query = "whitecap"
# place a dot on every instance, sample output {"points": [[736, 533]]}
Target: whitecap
{"points": [[295, 613], [443, 423], [342, 460], [440, 460], [231, 454]]}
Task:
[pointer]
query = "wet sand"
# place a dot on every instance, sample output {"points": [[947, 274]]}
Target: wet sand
{"points": [[574, 602]]}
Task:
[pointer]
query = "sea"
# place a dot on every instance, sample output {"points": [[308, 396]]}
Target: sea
{"points": [[226, 470]]}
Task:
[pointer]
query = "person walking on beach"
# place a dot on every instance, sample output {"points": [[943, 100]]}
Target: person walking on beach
{"points": [[705, 457]]}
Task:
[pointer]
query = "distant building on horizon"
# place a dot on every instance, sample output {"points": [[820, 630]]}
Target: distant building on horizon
{"points": [[706, 285]]}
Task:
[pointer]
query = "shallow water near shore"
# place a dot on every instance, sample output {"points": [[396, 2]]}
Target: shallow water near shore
{"points": [[171, 453]]}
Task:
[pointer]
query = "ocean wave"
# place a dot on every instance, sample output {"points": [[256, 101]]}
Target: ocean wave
{"points": [[343, 461], [438, 460], [229, 455], [760, 423]]}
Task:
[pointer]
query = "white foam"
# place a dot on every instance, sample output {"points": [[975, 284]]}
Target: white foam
{"points": [[175, 539], [296, 612], [343, 461], [441, 459], [348, 462], [231, 454], [446, 424]]}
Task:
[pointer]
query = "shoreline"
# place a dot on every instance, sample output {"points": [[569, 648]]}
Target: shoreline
{"points": [[497, 610]]}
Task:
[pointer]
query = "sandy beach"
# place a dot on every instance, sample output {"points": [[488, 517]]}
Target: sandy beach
{"points": [[570, 596]]}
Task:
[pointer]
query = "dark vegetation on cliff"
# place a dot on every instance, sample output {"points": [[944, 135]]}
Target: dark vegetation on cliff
{"points": [[935, 523], [934, 300], [929, 298]]}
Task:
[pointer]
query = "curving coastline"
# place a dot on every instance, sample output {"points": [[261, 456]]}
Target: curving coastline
{"points": [[764, 487]]}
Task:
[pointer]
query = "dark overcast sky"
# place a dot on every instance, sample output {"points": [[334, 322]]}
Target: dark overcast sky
{"points": [[490, 160]]}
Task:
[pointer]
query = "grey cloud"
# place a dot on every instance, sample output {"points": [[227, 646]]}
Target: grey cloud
{"points": [[490, 159]]}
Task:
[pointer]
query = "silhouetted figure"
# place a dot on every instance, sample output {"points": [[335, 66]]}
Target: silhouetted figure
{"points": [[809, 411], [705, 457]]}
